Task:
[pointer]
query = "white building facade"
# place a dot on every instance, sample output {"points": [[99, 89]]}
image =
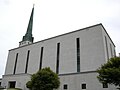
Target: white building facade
{"points": [[74, 56]]}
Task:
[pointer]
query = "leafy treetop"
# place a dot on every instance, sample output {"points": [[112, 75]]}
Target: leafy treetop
{"points": [[110, 72], [45, 79]]}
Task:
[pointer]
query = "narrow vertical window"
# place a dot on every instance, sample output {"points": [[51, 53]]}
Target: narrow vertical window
{"points": [[41, 56], [78, 54], [114, 53], [26, 68], [111, 50], [15, 63], [58, 56], [106, 48]]}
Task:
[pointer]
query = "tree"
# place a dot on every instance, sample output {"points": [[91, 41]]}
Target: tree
{"points": [[44, 79], [110, 72]]}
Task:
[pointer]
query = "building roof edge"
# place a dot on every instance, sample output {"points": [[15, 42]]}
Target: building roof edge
{"points": [[64, 34], [108, 34]]}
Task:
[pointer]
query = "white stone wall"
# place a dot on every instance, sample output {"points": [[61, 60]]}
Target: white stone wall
{"points": [[111, 49], [92, 52], [74, 82], [20, 79], [92, 55]]}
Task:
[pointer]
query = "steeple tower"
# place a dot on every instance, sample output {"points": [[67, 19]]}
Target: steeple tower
{"points": [[28, 39]]}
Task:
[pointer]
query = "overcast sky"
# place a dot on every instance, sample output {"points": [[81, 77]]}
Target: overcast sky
{"points": [[52, 18]]}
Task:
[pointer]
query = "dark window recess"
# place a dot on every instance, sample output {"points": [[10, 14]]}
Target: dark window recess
{"points": [[114, 53], [106, 48], [0, 83], [26, 68], [15, 63], [105, 85], [12, 84], [78, 54], [83, 86], [41, 56], [111, 50], [58, 56], [65, 86]]}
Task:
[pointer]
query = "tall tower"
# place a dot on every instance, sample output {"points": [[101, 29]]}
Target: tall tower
{"points": [[28, 39]]}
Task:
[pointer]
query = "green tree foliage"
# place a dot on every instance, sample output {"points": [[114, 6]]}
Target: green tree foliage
{"points": [[45, 79], [110, 72]]}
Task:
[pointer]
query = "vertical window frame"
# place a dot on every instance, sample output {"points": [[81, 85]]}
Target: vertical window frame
{"points": [[16, 58], [0, 83], [57, 58], [78, 53], [27, 61], [114, 53], [106, 44], [41, 58], [111, 50]]}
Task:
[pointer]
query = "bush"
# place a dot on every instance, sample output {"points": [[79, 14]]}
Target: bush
{"points": [[44, 79]]}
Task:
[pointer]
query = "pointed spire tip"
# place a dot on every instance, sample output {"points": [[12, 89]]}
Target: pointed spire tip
{"points": [[33, 5]]}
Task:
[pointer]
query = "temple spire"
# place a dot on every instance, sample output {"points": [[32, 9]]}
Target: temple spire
{"points": [[28, 39]]}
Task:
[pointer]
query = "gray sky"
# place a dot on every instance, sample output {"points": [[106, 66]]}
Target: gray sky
{"points": [[54, 17]]}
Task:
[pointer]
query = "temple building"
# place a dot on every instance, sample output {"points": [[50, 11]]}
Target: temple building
{"points": [[74, 56]]}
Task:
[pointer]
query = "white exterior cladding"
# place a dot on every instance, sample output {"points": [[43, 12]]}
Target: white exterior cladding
{"points": [[95, 49]]}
